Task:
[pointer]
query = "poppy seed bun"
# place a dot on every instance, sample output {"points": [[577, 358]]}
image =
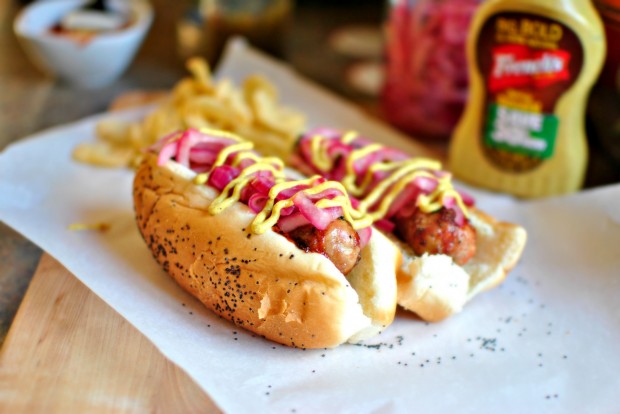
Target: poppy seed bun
{"points": [[263, 283]]}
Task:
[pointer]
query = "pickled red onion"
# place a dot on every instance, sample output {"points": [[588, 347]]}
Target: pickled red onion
{"points": [[198, 151], [220, 176], [426, 71], [405, 202]]}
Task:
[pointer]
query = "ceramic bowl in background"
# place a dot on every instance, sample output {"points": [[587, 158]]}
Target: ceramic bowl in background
{"points": [[90, 62]]}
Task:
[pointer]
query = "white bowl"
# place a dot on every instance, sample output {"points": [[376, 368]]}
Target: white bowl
{"points": [[94, 63]]}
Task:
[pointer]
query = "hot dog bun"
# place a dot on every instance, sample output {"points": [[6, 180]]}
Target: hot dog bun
{"points": [[434, 287], [263, 283]]}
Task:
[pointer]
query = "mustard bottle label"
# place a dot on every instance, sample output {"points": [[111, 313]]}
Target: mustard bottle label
{"points": [[527, 62]]}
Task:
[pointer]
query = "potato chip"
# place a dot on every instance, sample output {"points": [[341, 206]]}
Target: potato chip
{"points": [[199, 101], [103, 154]]}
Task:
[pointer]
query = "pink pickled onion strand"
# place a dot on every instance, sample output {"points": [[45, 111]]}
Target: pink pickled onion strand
{"points": [[450, 202], [262, 183], [426, 184], [290, 192], [193, 140], [186, 142], [328, 193], [166, 139], [467, 198], [257, 201], [222, 175], [404, 203], [338, 172], [355, 203], [259, 184], [364, 234], [202, 156], [199, 168], [288, 211], [292, 221], [200, 150], [167, 152], [320, 218]]}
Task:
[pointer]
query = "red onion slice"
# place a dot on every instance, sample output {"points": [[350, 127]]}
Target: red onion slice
{"points": [[198, 151], [292, 221], [222, 175]]}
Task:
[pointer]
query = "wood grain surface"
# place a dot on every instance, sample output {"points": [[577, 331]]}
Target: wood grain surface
{"points": [[69, 352]]}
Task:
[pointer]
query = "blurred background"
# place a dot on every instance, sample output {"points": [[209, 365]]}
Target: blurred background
{"points": [[341, 45], [159, 62]]}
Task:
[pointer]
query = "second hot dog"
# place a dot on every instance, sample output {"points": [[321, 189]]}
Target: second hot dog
{"points": [[452, 251]]}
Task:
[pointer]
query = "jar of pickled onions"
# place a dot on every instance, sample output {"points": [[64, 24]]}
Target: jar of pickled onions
{"points": [[426, 79], [610, 13]]}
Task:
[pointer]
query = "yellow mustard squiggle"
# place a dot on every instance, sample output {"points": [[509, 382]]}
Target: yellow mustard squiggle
{"points": [[319, 154], [270, 215], [271, 212], [239, 157], [348, 137], [224, 200], [402, 173], [256, 158], [225, 153], [222, 134], [350, 177], [240, 145], [399, 185]]}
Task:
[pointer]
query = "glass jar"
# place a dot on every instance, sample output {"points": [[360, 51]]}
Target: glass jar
{"points": [[426, 80], [208, 25], [604, 104], [610, 13]]}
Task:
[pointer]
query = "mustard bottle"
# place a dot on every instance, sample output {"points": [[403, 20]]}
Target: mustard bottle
{"points": [[532, 64]]}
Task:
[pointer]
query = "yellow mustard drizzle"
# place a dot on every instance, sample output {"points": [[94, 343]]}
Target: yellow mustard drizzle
{"points": [[256, 158], [225, 153], [348, 137], [239, 157], [401, 167], [224, 200], [222, 134], [222, 157], [350, 177], [278, 188], [319, 154], [270, 214], [201, 178], [386, 199], [386, 191], [358, 219]]}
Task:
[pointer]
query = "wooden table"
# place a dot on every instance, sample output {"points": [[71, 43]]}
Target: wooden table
{"points": [[67, 351]]}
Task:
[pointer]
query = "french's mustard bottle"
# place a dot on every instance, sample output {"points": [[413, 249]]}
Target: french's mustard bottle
{"points": [[532, 64]]}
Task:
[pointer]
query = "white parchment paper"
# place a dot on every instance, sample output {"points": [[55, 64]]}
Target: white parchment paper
{"points": [[547, 340]]}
